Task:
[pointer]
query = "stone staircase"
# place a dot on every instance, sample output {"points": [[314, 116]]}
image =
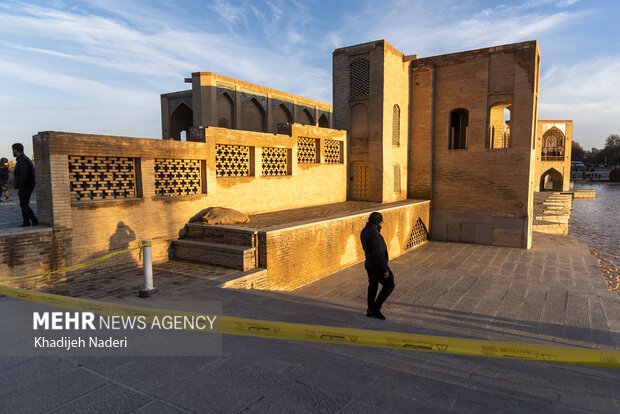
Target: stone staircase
{"points": [[552, 212], [224, 246]]}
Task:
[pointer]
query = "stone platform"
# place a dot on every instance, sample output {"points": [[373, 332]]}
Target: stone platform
{"points": [[300, 246]]}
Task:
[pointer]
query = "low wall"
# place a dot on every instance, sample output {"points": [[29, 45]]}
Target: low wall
{"points": [[104, 193], [25, 252], [457, 226], [296, 256]]}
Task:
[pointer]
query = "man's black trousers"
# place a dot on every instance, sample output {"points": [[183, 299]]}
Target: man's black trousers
{"points": [[376, 276], [24, 202]]}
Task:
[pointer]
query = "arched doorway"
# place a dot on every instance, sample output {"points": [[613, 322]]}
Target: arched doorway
{"points": [[182, 119], [551, 180]]}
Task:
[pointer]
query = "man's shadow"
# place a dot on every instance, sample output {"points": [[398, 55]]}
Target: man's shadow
{"points": [[120, 240]]}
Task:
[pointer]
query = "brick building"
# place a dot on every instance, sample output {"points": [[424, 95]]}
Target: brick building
{"points": [[444, 145]]}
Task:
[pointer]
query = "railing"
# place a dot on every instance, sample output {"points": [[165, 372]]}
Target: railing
{"points": [[552, 157]]}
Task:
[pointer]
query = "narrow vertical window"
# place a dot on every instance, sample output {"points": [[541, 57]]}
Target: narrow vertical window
{"points": [[459, 121], [396, 125]]}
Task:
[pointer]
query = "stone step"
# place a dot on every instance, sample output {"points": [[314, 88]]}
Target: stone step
{"points": [[553, 218], [250, 279], [220, 234], [225, 255]]}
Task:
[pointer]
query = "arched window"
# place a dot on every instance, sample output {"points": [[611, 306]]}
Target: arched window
{"points": [[396, 125], [281, 115], [225, 111], [500, 120], [252, 116], [323, 121], [181, 119], [396, 178], [553, 145], [459, 121], [359, 73]]}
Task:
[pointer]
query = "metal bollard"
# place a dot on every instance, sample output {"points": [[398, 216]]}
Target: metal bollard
{"points": [[147, 265]]}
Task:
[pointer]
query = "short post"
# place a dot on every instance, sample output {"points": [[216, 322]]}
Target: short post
{"points": [[147, 265]]}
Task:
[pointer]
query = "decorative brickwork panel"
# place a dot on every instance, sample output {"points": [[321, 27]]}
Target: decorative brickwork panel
{"points": [[333, 151], [360, 78], [396, 125], [177, 177], [101, 178], [419, 234], [307, 150], [396, 178], [232, 160], [275, 161]]}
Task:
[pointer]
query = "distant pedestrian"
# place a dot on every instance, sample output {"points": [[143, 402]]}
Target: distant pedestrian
{"points": [[23, 179], [4, 178], [376, 265]]}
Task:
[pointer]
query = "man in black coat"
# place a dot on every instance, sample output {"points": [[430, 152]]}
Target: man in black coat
{"points": [[376, 265], [23, 179]]}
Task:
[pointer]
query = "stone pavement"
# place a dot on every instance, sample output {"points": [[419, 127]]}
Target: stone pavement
{"points": [[551, 294], [11, 213]]}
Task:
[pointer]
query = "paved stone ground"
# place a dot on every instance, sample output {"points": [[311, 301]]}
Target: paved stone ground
{"points": [[551, 294], [11, 214]]}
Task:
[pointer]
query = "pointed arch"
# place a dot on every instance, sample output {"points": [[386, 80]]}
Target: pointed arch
{"points": [[304, 117], [323, 121], [553, 144], [551, 180], [253, 116], [225, 111], [181, 119], [281, 115]]}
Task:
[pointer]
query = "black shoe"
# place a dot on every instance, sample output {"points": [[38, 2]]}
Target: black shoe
{"points": [[373, 313], [35, 223], [25, 225]]}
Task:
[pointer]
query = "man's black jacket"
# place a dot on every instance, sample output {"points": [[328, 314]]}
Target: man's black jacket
{"points": [[374, 247], [23, 175]]}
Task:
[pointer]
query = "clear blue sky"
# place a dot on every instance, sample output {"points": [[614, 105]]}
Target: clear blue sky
{"points": [[99, 66]]}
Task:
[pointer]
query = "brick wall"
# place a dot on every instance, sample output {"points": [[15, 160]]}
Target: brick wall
{"points": [[86, 229], [299, 255], [25, 252], [479, 188]]}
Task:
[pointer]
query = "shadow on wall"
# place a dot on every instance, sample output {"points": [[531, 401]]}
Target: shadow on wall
{"points": [[120, 240]]}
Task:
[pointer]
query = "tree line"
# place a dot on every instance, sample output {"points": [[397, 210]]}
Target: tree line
{"points": [[609, 155]]}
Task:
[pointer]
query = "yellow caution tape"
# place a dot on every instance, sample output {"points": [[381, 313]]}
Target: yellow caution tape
{"points": [[345, 336], [45, 275]]}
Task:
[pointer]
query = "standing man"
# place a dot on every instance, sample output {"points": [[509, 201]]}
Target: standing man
{"points": [[376, 265], [23, 179]]}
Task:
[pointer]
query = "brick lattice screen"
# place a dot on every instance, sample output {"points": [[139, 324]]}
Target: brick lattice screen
{"points": [[177, 177], [101, 178], [419, 234], [307, 150], [360, 78], [275, 161], [333, 151], [396, 125], [232, 161]]}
